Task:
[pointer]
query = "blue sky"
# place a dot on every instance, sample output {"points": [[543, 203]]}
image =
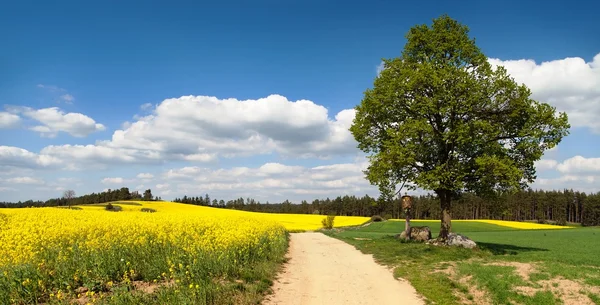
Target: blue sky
{"points": [[95, 94]]}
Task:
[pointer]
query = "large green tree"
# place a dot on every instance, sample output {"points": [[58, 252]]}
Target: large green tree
{"points": [[441, 118]]}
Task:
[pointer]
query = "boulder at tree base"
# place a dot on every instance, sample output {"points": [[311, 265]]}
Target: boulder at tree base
{"points": [[417, 234], [456, 240]]}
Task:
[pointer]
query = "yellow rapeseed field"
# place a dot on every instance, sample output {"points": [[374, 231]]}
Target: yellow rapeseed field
{"points": [[504, 223], [46, 254], [520, 224]]}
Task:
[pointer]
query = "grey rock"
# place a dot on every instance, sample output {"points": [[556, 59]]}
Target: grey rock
{"points": [[460, 241], [417, 234], [454, 239]]}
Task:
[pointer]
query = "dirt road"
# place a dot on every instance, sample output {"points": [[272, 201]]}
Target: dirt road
{"points": [[324, 270]]}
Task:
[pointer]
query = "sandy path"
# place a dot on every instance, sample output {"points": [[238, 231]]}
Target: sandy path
{"points": [[324, 270]]}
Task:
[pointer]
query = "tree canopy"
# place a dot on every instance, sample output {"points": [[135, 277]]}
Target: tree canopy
{"points": [[440, 117]]}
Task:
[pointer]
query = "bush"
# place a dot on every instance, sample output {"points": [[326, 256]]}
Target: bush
{"points": [[376, 218], [148, 210], [387, 216], [328, 222], [113, 208]]}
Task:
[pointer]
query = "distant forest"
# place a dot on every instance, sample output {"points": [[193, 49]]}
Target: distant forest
{"points": [[557, 207]]}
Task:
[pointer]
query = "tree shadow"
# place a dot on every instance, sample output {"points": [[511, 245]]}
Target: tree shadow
{"points": [[503, 249]]}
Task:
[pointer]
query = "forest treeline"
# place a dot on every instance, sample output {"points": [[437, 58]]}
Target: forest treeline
{"points": [[102, 197], [557, 207]]}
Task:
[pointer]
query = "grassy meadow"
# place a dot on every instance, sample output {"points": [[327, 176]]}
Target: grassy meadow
{"points": [[512, 265], [143, 253]]}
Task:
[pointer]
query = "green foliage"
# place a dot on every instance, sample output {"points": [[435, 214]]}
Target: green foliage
{"points": [[591, 208], [328, 222], [147, 195], [376, 218], [113, 208], [594, 297], [148, 210], [441, 118]]}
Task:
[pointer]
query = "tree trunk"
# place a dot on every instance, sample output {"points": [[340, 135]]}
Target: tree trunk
{"points": [[446, 217], [407, 226]]}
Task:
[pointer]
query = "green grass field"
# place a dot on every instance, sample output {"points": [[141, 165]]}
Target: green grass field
{"points": [[511, 266]]}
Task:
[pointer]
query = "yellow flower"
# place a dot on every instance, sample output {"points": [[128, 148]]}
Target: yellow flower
{"points": [[48, 237]]}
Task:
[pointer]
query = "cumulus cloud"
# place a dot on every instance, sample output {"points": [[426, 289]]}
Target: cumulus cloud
{"points": [[582, 183], [194, 131], [201, 129], [570, 84], [272, 181], [578, 173], [146, 106], [197, 128], [145, 176], [580, 165], [545, 164], [114, 180], [24, 180], [54, 120], [163, 186], [84, 156], [9, 120], [17, 157]]}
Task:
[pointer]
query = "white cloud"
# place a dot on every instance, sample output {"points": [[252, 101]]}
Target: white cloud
{"points": [[580, 165], [67, 98], [51, 88], [17, 157], [195, 132], [198, 157], [202, 129], [24, 180], [577, 173], [9, 120], [163, 186], [199, 128], [114, 180], [380, 68], [278, 169], [569, 84], [584, 183], [55, 120], [145, 176], [545, 164], [68, 180], [83, 156], [272, 181]]}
